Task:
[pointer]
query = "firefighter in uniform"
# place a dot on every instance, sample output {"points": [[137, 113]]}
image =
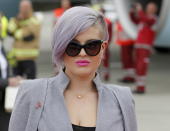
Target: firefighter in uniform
{"points": [[144, 43], [25, 29]]}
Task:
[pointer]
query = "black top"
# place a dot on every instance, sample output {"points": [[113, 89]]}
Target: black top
{"points": [[81, 128]]}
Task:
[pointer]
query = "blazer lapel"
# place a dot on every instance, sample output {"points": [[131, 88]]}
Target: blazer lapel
{"points": [[37, 104], [55, 100], [127, 109], [109, 112], [100, 114]]}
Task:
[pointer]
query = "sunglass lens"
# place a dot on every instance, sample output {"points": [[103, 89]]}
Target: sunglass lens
{"points": [[93, 48], [73, 49]]}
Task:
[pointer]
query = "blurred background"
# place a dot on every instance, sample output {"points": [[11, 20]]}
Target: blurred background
{"points": [[153, 110]]}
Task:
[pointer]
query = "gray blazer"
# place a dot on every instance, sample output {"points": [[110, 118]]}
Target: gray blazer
{"points": [[32, 96]]}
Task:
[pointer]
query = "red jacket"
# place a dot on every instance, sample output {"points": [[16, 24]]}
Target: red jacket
{"points": [[58, 12], [146, 31], [121, 37]]}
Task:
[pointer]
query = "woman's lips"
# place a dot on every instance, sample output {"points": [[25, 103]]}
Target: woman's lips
{"points": [[82, 62]]}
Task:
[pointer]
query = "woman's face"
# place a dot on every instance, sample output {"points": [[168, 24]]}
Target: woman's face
{"points": [[151, 9], [25, 9], [65, 4], [83, 64]]}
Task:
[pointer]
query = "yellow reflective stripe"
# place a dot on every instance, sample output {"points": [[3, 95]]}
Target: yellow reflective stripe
{"points": [[35, 21], [4, 26], [11, 58], [10, 54], [31, 20], [24, 22], [26, 52], [96, 7], [12, 26], [18, 34]]}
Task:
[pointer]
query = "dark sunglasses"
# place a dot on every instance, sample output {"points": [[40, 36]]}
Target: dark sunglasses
{"points": [[92, 48]]}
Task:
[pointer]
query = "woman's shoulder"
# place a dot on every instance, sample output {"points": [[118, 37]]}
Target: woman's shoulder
{"points": [[31, 96], [32, 88], [126, 103], [120, 91], [29, 85], [117, 88]]}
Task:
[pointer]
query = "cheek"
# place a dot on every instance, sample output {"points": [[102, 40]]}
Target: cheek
{"points": [[68, 61], [97, 59]]}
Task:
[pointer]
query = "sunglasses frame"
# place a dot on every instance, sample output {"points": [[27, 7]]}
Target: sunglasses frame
{"points": [[84, 47]]}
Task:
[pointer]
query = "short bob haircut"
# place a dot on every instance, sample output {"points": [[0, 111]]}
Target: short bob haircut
{"points": [[74, 21]]}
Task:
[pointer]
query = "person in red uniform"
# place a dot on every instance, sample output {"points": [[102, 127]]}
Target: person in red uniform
{"points": [[144, 43], [127, 49], [106, 61], [126, 53], [65, 4]]}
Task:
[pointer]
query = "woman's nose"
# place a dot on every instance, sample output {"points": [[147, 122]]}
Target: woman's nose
{"points": [[82, 52]]}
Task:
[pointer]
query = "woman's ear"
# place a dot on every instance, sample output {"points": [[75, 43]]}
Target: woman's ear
{"points": [[104, 45], [103, 48]]}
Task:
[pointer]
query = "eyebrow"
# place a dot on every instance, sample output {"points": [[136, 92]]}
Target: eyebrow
{"points": [[86, 41]]}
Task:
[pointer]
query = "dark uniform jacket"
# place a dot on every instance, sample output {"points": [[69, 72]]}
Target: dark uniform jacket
{"points": [[4, 117]]}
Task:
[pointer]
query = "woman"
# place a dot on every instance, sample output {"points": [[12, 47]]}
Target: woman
{"points": [[75, 99]]}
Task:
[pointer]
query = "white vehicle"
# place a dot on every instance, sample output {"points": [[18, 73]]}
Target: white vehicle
{"points": [[163, 26], [110, 9]]}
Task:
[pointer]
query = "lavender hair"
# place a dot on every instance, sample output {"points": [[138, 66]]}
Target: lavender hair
{"points": [[74, 21]]}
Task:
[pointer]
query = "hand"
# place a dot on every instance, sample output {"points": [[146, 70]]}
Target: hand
{"points": [[14, 81], [20, 78]]}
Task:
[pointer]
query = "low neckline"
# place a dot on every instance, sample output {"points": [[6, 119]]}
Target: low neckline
{"points": [[82, 126]]}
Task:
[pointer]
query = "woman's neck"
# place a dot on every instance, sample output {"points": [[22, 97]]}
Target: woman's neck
{"points": [[81, 83]]}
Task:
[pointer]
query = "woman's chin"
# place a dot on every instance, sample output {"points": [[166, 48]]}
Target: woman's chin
{"points": [[83, 71]]}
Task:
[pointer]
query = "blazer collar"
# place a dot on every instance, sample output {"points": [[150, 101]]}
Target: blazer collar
{"points": [[64, 80]]}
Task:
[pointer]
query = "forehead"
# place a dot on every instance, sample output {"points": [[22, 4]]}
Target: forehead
{"points": [[65, 2], [25, 4], [151, 5], [91, 33]]}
